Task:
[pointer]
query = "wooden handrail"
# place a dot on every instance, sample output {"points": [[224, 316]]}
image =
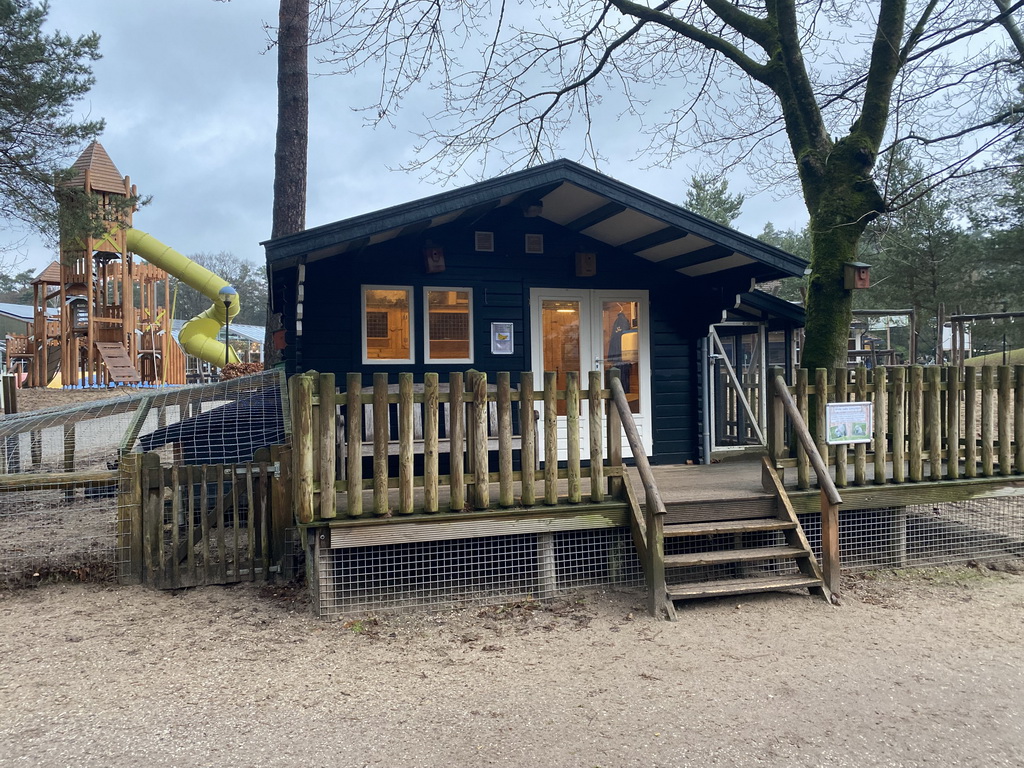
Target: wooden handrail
{"points": [[654, 516], [654, 500], [828, 486], [830, 498]]}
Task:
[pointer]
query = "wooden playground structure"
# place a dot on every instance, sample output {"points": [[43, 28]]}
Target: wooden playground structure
{"points": [[100, 316]]}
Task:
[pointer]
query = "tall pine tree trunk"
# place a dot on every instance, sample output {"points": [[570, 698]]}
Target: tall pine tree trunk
{"points": [[289, 214], [292, 118]]}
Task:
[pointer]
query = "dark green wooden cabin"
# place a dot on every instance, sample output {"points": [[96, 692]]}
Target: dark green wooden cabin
{"points": [[556, 267]]}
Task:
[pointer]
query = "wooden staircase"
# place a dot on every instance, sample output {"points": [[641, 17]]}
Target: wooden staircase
{"points": [[737, 547], [748, 554]]}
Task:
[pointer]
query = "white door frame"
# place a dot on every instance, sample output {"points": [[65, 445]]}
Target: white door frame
{"points": [[591, 346]]}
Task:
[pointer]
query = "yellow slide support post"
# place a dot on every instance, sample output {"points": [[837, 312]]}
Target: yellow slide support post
{"points": [[198, 337]]}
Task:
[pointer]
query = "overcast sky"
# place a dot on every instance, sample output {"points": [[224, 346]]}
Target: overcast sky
{"points": [[188, 96]]}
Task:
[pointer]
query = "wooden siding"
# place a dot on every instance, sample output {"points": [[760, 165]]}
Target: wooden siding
{"points": [[680, 308]]}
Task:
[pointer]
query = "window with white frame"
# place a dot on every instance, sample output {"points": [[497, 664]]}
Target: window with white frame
{"points": [[448, 325], [387, 324]]}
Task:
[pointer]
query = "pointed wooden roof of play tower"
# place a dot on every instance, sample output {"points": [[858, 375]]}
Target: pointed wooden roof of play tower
{"points": [[103, 174]]}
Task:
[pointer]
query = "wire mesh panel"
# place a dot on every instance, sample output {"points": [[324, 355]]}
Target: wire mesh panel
{"points": [[953, 533], [65, 500], [446, 574]]}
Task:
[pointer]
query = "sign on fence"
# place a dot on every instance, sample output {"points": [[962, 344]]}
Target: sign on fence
{"points": [[848, 423]]}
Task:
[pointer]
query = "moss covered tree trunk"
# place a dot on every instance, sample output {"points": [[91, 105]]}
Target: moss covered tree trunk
{"points": [[842, 199]]}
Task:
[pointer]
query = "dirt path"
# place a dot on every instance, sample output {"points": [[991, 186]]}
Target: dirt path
{"points": [[925, 668]]}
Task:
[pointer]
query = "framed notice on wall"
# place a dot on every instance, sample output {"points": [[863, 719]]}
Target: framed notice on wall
{"points": [[501, 338], [848, 423]]}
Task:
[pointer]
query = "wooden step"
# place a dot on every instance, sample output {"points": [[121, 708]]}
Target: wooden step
{"points": [[734, 556], [759, 525], [740, 586]]}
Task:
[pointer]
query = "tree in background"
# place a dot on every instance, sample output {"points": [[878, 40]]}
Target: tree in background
{"points": [[16, 289], [249, 279], [708, 196], [812, 92], [797, 242], [922, 258], [41, 78]]}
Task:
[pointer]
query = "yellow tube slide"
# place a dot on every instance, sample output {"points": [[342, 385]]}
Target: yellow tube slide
{"points": [[198, 337]]}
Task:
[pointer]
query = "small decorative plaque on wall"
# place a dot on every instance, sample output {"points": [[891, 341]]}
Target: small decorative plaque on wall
{"points": [[501, 338]]}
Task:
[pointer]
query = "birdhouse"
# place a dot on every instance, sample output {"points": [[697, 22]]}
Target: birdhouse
{"points": [[856, 274], [433, 258]]}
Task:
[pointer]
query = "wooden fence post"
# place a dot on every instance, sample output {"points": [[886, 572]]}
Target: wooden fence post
{"points": [[431, 408], [380, 444], [572, 411], [860, 450], [457, 442], [1018, 418], [596, 447], [1004, 402], [916, 424], [987, 396], [152, 519], [803, 466], [898, 419], [405, 438], [934, 422], [506, 497], [129, 518], [328, 446], [301, 388], [841, 375], [878, 380], [280, 518], [353, 444], [776, 416], [971, 422], [614, 421], [481, 472], [550, 438], [528, 431], [953, 388]]}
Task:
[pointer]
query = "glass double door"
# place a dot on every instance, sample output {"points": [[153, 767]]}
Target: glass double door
{"points": [[587, 331]]}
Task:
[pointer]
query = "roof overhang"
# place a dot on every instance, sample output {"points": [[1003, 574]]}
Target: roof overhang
{"points": [[572, 196]]}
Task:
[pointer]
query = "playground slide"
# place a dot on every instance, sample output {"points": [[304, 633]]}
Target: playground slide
{"points": [[198, 337]]}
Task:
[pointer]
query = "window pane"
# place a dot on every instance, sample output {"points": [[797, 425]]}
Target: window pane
{"points": [[560, 324], [621, 334], [387, 324], [448, 321]]}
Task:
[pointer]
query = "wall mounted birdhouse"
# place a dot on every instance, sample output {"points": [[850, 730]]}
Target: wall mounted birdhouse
{"points": [[856, 274]]}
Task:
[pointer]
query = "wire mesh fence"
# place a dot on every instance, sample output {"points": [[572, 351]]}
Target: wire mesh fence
{"points": [[435, 575], [61, 479], [951, 533]]}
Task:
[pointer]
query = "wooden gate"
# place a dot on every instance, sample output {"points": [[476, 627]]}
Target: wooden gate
{"points": [[210, 524]]}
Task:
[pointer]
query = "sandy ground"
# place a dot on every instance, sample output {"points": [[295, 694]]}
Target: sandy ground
{"points": [[915, 668]]}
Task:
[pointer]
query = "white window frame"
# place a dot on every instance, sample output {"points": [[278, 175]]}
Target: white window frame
{"points": [[426, 325], [409, 291]]}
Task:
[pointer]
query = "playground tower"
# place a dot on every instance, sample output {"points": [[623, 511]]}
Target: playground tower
{"points": [[101, 317]]}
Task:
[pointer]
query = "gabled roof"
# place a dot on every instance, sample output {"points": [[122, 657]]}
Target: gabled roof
{"points": [[570, 195], [103, 174]]}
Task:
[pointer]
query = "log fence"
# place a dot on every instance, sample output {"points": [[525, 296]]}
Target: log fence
{"points": [[486, 435], [929, 423]]}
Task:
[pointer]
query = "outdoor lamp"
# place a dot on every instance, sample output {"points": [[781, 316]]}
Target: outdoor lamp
{"points": [[227, 294]]}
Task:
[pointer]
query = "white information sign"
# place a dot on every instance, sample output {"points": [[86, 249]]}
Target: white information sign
{"points": [[848, 423]]}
